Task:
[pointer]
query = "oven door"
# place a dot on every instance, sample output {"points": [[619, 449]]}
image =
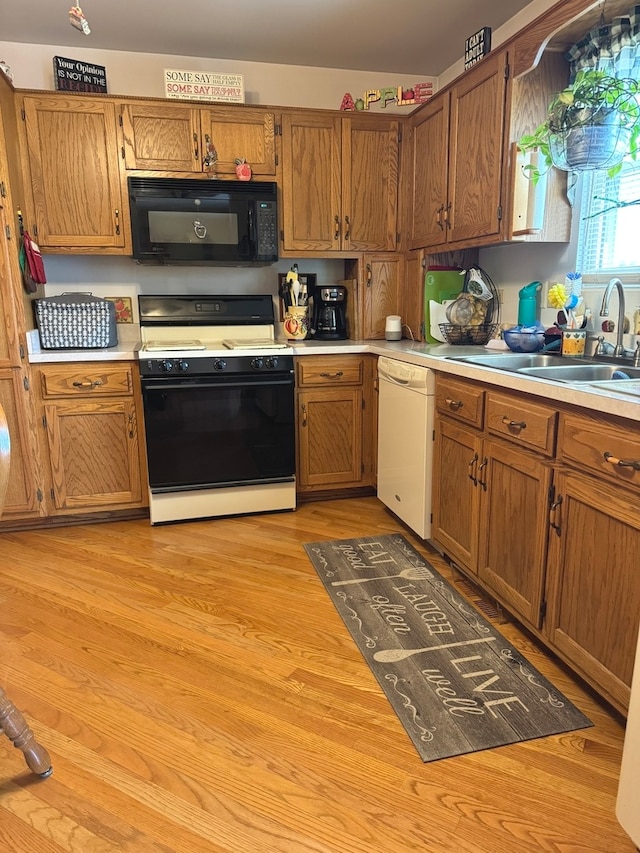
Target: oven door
{"points": [[207, 432]]}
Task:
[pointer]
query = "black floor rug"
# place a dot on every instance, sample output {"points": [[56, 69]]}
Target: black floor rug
{"points": [[456, 684]]}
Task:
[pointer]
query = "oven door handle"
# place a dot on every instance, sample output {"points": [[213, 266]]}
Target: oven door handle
{"points": [[164, 385]]}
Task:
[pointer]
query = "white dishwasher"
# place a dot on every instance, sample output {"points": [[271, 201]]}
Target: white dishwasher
{"points": [[406, 406]]}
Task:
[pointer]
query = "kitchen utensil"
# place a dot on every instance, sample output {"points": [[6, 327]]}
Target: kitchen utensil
{"points": [[413, 574], [295, 292], [395, 655]]}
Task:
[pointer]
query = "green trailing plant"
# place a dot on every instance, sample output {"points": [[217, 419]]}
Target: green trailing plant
{"points": [[592, 99]]}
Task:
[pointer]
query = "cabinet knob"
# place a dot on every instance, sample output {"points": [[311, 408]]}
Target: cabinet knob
{"points": [[454, 404]]}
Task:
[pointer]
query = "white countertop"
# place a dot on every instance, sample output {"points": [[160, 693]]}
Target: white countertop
{"points": [[435, 356]]}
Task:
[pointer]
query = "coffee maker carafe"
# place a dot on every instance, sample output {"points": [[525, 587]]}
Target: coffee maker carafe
{"points": [[329, 312]]}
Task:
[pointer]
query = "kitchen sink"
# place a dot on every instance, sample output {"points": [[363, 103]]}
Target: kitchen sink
{"points": [[554, 367], [510, 360], [582, 372]]}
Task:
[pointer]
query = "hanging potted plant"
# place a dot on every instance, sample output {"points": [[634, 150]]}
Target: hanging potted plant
{"points": [[592, 124]]}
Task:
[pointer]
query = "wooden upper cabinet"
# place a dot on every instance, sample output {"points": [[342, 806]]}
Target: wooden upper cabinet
{"points": [[430, 131], [369, 183], [312, 181], [158, 136], [340, 182], [475, 151], [458, 141], [72, 160], [173, 137], [242, 133]]}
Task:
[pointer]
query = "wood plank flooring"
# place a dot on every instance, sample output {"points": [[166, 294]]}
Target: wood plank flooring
{"points": [[198, 693]]}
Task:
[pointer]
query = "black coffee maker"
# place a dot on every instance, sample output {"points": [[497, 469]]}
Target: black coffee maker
{"points": [[329, 312]]}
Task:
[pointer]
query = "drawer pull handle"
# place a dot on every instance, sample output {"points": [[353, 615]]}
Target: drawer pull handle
{"points": [[453, 404], [336, 219], [94, 384], [304, 415], [335, 375], [482, 465], [472, 469], [622, 463], [513, 424], [555, 511]]}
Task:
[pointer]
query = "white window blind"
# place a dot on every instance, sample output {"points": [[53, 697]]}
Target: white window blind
{"points": [[609, 235]]}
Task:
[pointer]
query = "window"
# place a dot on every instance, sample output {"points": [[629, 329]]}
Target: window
{"points": [[609, 231]]}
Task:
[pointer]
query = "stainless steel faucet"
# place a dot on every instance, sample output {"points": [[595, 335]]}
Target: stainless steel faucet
{"points": [[604, 312]]}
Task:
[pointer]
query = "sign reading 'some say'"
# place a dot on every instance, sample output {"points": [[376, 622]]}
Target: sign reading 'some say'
{"points": [[203, 86]]}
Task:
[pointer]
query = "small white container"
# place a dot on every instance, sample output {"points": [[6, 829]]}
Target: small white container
{"points": [[393, 328]]}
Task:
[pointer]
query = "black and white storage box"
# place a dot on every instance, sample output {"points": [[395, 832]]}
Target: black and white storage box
{"points": [[76, 321]]}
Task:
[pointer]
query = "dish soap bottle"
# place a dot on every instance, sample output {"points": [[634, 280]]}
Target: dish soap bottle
{"points": [[528, 304]]}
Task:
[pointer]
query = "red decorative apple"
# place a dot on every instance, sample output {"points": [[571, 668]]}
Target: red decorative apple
{"points": [[243, 169]]}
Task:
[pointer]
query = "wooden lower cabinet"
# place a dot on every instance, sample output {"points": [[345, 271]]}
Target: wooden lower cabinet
{"points": [[92, 437], [540, 507], [336, 415], [593, 584], [24, 497], [490, 512]]}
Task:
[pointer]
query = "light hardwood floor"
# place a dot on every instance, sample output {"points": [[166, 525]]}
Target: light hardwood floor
{"points": [[198, 693]]}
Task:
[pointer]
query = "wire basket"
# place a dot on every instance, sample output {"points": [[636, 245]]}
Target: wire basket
{"points": [[478, 334]]}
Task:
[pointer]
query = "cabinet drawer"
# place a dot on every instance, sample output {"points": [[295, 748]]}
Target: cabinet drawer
{"points": [[522, 421], [90, 380], [330, 370], [602, 446], [461, 400]]}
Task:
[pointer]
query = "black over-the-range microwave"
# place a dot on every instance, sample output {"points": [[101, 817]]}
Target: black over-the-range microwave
{"points": [[187, 220]]}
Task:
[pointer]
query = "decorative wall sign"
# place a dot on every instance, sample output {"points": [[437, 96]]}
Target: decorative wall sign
{"points": [[73, 75], [417, 94], [477, 46], [124, 308], [203, 86]]}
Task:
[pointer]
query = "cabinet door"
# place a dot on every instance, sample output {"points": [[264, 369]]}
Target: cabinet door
{"points": [[412, 293], [381, 292], [475, 151], [430, 133], [369, 183], [94, 453], [73, 160], [594, 594], [163, 137], [514, 520], [330, 438], [456, 496], [22, 495], [312, 181], [242, 132], [9, 348]]}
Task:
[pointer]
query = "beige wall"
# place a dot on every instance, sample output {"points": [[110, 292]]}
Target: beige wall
{"points": [[279, 85], [142, 75]]}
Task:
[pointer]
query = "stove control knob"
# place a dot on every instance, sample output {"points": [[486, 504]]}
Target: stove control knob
{"points": [[166, 366], [219, 364], [271, 363], [183, 365], [257, 363]]}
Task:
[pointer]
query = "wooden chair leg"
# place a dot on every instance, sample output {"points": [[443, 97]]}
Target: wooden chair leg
{"points": [[14, 725]]}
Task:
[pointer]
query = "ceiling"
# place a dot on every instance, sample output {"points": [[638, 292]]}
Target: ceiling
{"points": [[422, 37]]}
